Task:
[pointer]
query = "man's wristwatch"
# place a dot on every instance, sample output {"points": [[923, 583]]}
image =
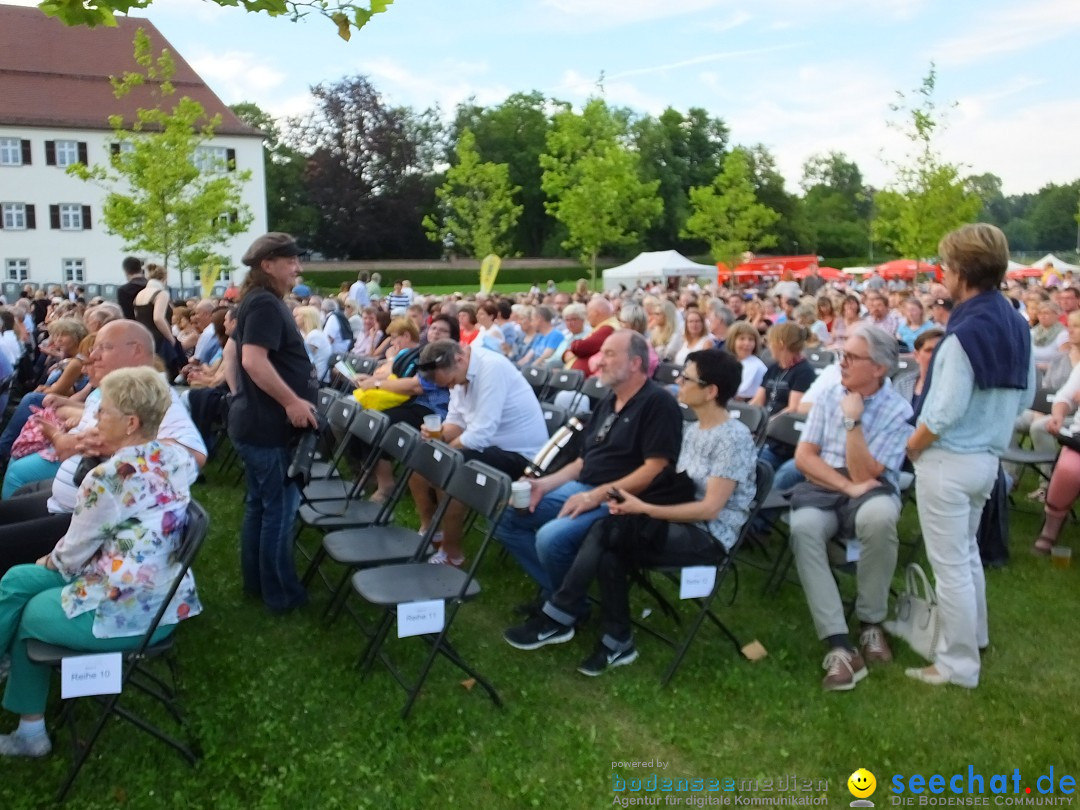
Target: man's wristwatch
{"points": [[851, 424]]}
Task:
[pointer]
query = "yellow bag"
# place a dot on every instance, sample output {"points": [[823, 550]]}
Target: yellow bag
{"points": [[376, 399]]}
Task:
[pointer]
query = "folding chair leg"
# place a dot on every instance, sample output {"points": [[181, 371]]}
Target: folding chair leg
{"points": [[692, 633], [440, 644], [367, 657]]}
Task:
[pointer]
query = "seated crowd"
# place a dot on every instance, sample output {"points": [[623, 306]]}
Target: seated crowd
{"points": [[651, 483]]}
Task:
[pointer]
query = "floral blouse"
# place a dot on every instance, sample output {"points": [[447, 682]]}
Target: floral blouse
{"points": [[119, 553]]}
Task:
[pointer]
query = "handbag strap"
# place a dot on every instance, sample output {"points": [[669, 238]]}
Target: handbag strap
{"points": [[916, 577]]}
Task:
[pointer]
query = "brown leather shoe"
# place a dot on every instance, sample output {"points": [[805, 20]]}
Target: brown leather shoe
{"points": [[843, 669], [874, 647]]}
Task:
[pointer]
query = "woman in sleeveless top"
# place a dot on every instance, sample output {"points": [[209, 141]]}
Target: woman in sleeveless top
{"points": [[152, 308]]}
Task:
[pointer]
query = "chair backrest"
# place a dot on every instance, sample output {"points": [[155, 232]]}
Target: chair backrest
{"points": [[688, 414], [905, 363], [369, 426], [327, 396], [554, 417], [399, 440], [481, 488], [753, 416], [763, 481], [667, 373], [339, 415], [1044, 400], [820, 358], [593, 389], [434, 461], [537, 377], [565, 380], [786, 428], [366, 365]]}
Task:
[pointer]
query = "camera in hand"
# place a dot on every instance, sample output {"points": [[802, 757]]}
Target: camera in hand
{"points": [[304, 455]]}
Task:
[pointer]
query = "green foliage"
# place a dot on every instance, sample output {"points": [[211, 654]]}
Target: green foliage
{"points": [[593, 182], [929, 197], [347, 16], [727, 213], [478, 204], [158, 200], [836, 205], [792, 231]]}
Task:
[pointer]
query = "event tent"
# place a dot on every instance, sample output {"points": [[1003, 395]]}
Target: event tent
{"points": [[658, 264], [1058, 264]]}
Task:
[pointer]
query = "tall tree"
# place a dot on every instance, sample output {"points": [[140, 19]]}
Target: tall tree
{"points": [[1053, 216], [928, 198], [593, 182], [478, 204], [727, 213], [793, 234], [288, 204], [515, 133], [680, 151], [167, 195], [995, 209], [370, 171], [347, 15], [837, 205]]}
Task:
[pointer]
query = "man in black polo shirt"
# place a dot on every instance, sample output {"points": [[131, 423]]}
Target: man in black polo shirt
{"points": [[125, 293], [275, 398], [634, 433]]}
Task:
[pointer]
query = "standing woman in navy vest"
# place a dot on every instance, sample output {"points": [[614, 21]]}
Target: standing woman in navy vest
{"points": [[981, 377]]}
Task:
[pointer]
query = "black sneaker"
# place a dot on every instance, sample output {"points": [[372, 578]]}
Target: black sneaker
{"points": [[538, 632], [603, 657]]}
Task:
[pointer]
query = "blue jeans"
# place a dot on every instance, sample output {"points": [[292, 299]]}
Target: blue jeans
{"points": [[266, 545], [545, 545]]}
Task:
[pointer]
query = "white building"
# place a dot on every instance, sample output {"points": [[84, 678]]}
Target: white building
{"points": [[55, 99]]}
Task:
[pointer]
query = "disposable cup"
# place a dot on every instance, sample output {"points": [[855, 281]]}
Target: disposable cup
{"points": [[520, 494], [1061, 556]]}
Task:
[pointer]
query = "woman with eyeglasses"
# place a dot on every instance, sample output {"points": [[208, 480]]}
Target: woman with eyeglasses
{"points": [[910, 386], [717, 467]]}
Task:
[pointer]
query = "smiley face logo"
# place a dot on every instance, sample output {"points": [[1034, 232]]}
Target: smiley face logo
{"points": [[862, 784]]}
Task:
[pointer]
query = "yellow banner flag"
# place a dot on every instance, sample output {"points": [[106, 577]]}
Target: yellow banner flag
{"points": [[209, 271], [489, 268]]}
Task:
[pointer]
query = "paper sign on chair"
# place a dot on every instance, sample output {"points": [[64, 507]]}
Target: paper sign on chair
{"points": [[83, 675]]}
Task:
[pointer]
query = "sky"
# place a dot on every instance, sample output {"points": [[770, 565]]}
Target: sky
{"points": [[801, 76]]}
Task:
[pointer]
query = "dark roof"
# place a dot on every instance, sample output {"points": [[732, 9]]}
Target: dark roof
{"points": [[53, 75]]}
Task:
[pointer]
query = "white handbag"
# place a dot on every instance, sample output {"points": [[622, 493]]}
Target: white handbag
{"points": [[918, 618]]}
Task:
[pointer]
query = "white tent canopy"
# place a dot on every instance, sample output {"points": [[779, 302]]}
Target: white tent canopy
{"points": [[1015, 266], [658, 264], [1059, 264]]}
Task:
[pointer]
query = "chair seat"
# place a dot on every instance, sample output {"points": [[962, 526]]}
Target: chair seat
{"points": [[371, 544], [323, 469], [52, 654], [340, 513], [1018, 455], [777, 500], [414, 582], [328, 489]]}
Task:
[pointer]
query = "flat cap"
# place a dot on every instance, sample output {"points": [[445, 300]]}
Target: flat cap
{"points": [[271, 245]]}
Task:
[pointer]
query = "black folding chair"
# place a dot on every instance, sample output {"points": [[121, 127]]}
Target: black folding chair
{"points": [[369, 546], [136, 675], [763, 476], [667, 373], [554, 417], [593, 390], [753, 416], [563, 380], [1026, 457], [485, 492], [820, 358], [538, 378], [326, 481]]}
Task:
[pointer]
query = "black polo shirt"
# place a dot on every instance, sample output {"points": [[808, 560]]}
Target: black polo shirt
{"points": [[616, 444]]}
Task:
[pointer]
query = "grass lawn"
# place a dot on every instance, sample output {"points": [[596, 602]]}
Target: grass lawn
{"points": [[285, 721]]}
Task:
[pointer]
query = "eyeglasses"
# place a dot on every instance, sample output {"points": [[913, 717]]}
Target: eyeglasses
{"points": [[605, 428], [682, 378], [847, 357]]}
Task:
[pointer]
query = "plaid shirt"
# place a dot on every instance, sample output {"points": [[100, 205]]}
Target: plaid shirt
{"points": [[884, 424]]}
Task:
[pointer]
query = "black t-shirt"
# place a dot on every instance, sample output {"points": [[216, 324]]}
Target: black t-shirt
{"points": [[125, 295], [780, 382], [254, 416], [616, 444]]}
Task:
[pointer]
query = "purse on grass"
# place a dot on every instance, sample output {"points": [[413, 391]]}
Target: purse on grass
{"points": [[918, 617]]}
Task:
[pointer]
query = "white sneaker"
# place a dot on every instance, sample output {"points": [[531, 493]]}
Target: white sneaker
{"points": [[21, 745]]}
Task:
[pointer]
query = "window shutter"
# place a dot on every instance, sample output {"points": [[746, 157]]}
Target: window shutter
{"points": [[86, 217], [233, 217], [50, 153], [82, 154], [230, 159], [26, 153], [54, 217], [114, 148], [1, 220], [31, 217]]}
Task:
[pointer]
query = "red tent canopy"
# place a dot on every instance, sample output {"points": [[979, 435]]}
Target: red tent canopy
{"points": [[905, 269], [1025, 272], [827, 273]]}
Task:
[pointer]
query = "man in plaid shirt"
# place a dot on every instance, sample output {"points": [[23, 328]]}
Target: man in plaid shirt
{"points": [[851, 452]]}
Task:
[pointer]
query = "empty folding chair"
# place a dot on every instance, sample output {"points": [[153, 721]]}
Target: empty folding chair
{"points": [[753, 416], [592, 390], [136, 675], [325, 476], [563, 380], [820, 358], [538, 379], [484, 491], [554, 417]]}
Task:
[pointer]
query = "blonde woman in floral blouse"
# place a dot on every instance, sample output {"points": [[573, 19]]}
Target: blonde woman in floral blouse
{"points": [[103, 582]]}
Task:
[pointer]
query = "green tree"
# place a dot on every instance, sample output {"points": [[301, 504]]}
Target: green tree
{"points": [[792, 230], [167, 196], [1053, 216], [478, 204], [288, 203], [928, 197], [727, 213], [836, 204], [593, 182], [345, 14], [680, 151]]}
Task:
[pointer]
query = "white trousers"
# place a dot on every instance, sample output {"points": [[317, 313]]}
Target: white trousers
{"points": [[952, 489]]}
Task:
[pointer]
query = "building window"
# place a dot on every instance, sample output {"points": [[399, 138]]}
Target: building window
{"points": [[70, 217], [215, 159], [65, 153], [121, 147], [14, 216], [17, 269], [74, 270], [14, 152]]}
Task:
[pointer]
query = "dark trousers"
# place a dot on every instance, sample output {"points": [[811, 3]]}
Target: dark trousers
{"points": [[27, 530], [610, 562]]}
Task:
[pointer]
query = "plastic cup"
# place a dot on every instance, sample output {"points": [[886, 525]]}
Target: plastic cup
{"points": [[520, 494], [1061, 557], [433, 426]]}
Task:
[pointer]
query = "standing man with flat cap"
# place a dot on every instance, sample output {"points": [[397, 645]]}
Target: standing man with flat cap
{"points": [[275, 399]]}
